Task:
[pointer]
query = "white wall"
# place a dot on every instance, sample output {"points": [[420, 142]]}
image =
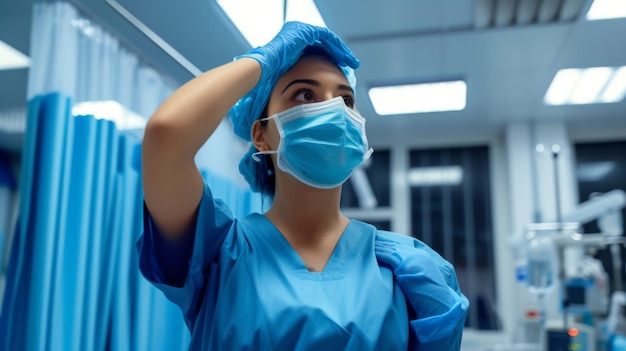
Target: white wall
{"points": [[222, 152], [531, 169]]}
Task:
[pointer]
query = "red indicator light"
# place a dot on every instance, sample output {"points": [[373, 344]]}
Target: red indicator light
{"points": [[572, 332]]}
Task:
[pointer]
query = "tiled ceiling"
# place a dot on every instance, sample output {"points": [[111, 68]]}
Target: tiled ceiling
{"points": [[506, 13], [507, 51]]}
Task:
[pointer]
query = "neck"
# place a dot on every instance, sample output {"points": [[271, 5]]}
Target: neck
{"points": [[304, 213]]}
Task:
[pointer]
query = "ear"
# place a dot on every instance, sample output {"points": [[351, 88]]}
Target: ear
{"points": [[258, 136]]}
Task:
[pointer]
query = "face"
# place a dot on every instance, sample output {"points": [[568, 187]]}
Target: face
{"points": [[312, 79]]}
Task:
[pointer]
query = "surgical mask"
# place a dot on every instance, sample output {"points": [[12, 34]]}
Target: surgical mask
{"points": [[320, 143]]}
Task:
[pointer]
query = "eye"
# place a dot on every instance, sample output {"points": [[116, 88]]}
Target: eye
{"points": [[349, 101], [304, 95]]}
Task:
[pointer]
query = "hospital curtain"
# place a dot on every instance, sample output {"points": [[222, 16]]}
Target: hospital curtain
{"points": [[72, 280], [72, 54], [70, 272]]}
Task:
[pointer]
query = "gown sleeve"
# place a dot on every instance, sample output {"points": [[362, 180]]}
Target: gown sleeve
{"points": [[429, 283], [214, 220]]}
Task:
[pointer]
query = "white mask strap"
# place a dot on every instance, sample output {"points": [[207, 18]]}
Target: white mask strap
{"points": [[266, 118], [255, 156]]}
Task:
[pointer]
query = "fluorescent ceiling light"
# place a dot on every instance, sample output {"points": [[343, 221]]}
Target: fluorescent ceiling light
{"points": [[606, 9], [587, 86], [429, 176], [616, 88], [591, 83], [419, 98], [110, 110], [10, 58], [562, 85], [259, 21], [304, 11]]}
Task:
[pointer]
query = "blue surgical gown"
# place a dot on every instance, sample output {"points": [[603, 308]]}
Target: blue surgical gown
{"points": [[247, 289]]}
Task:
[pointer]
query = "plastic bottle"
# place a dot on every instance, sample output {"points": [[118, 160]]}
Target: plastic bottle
{"points": [[519, 246], [541, 264]]}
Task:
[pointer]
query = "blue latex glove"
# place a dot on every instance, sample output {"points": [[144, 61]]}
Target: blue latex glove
{"points": [[276, 58], [429, 286]]}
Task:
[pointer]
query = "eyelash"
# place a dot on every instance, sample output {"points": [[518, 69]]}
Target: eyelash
{"points": [[303, 91], [348, 100]]}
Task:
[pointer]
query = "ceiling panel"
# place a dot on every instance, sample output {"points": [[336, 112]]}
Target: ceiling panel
{"points": [[504, 49], [572, 10], [504, 14], [356, 20], [548, 10], [15, 19], [507, 68], [199, 30], [526, 12], [594, 43]]}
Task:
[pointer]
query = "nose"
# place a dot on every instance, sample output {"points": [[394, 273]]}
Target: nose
{"points": [[327, 95]]}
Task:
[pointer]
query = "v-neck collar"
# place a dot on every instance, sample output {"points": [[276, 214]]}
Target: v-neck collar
{"points": [[345, 250]]}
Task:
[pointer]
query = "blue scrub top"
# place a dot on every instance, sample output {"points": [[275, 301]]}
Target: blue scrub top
{"points": [[247, 288]]}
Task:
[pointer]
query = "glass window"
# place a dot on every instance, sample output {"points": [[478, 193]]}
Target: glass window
{"points": [[600, 168], [451, 212], [378, 174]]}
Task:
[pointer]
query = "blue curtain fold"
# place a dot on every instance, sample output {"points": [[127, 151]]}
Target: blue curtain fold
{"points": [[72, 279]]}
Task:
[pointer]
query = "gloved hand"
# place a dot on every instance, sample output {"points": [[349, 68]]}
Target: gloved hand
{"points": [[440, 309], [413, 267], [276, 58]]}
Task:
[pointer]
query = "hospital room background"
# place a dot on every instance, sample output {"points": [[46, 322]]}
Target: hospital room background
{"points": [[499, 130]]}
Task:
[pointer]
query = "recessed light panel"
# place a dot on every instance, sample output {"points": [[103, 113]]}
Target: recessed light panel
{"points": [[419, 98], [616, 88], [606, 9], [259, 21], [573, 86], [10, 58]]}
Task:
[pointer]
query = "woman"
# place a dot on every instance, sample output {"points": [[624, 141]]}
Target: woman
{"points": [[301, 276]]}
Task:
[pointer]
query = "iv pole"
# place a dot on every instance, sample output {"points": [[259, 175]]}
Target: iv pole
{"points": [[561, 249]]}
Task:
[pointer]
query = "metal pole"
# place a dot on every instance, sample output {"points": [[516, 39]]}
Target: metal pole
{"points": [[560, 249]]}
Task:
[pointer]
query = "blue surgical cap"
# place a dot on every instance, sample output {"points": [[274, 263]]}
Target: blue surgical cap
{"points": [[249, 108]]}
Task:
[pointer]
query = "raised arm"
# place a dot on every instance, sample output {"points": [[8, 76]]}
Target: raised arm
{"points": [[172, 183]]}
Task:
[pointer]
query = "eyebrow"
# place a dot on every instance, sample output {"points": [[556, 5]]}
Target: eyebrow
{"points": [[317, 84], [345, 87]]}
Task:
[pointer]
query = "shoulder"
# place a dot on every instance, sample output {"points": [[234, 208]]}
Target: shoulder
{"points": [[422, 250], [360, 226], [400, 239], [396, 238], [253, 229]]}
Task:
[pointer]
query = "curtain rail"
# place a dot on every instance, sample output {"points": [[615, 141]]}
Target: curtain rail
{"points": [[156, 39]]}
